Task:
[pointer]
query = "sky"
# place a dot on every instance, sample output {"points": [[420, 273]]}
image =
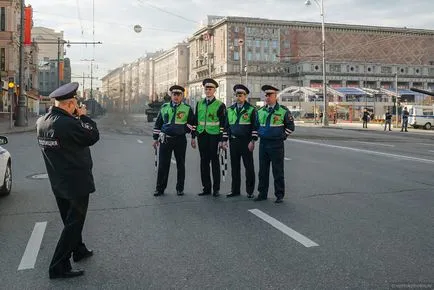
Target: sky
{"points": [[165, 23]]}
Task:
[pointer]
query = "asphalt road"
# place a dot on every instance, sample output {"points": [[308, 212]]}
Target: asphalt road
{"points": [[358, 213]]}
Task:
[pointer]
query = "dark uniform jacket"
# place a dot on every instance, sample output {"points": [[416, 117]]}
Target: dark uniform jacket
{"points": [[65, 141], [238, 130]]}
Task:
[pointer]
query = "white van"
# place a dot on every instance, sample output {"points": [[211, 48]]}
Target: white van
{"points": [[421, 116]]}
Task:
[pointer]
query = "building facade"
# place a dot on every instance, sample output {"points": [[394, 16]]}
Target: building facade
{"points": [[170, 68], [286, 53]]}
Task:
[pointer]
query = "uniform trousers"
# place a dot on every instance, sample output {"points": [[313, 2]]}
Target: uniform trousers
{"points": [[239, 149], [271, 151], [208, 149], [177, 145], [73, 213]]}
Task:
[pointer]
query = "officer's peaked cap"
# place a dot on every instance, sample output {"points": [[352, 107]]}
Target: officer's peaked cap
{"points": [[176, 89], [241, 89], [64, 92], [269, 89], [210, 83]]}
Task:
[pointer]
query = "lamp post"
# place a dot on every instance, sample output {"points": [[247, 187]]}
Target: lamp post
{"points": [[240, 43], [325, 113]]}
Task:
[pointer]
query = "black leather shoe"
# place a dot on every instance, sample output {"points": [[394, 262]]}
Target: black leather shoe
{"points": [[179, 192], [232, 194], [158, 193], [250, 195], [81, 254], [66, 274], [260, 198], [204, 193], [216, 193], [279, 200]]}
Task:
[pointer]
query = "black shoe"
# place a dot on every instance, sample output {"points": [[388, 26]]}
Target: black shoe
{"points": [[260, 198], [66, 274], [158, 193], [180, 192], [216, 193], [250, 195], [279, 200], [204, 193], [232, 194], [81, 254]]}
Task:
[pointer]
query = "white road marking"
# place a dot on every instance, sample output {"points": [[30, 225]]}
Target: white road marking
{"points": [[373, 143], [366, 151], [284, 229], [288, 159], [125, 122], [173, 161], [426, 144], [140, 141], [431, 150], [31, 253]]}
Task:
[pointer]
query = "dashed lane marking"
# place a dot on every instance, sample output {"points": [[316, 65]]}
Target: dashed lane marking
{"points": [[284, 229], [31, 253]]}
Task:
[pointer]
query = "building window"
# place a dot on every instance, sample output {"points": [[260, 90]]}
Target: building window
{"points": [[2, 59], [258, 43], [274, 43], [249, 55], [236, 55], [386, 70], [3, 19]]}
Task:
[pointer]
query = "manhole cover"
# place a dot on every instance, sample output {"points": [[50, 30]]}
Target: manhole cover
{"points": [[38, 176]]}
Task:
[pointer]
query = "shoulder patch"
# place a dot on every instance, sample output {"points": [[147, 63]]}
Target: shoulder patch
{"points": [[47, 142], [86, 126]]}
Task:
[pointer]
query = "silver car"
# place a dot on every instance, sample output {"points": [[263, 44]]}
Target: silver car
{"points": [[5, 168]]}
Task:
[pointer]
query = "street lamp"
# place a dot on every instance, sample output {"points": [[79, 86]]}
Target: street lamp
{"points": [[321, 7]]}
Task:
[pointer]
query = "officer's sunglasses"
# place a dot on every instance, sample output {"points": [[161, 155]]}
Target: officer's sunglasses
{"points": [[209, 88], [269, 94]]}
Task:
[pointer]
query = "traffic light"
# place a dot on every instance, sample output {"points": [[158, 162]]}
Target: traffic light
{"points": [[11, 84]]}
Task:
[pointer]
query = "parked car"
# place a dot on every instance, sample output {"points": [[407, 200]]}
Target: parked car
{"points": [[5, 168]]}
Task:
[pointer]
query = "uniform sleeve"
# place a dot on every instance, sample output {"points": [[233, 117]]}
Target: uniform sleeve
{"points": [[226, 131], [157, 126], [221, 113], [254, 125], [85, 132], [289, 123], [194, 122], [191, 123]]}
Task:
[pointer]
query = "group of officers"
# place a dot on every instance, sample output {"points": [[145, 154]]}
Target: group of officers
{"points": [[216, 127]]}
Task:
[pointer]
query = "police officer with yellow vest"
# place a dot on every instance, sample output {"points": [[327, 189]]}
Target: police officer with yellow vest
{"points": [[210, 114], [275, 125], [174, 121], [242, 133]]}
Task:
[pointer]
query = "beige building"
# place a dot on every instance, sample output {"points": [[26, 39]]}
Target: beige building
{"points": [[257, 51], [9, 60], [112, 88], [47, 39], [170, 68]]}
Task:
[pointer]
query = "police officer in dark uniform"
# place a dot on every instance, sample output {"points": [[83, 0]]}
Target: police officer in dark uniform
{"points": [[275, 125], [64, 135], [388, 120], [241, 130], [210, 121], [174, 121]]}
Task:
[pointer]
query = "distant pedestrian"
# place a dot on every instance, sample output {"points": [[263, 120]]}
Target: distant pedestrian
{"points": [[405, 115], [365, 118], [388, 120]]}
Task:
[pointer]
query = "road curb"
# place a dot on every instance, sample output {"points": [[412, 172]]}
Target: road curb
{"points": [[18, 131]]}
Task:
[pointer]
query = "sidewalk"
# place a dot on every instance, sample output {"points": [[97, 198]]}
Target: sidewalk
{"points": [[358, 126], [5, 126]]}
